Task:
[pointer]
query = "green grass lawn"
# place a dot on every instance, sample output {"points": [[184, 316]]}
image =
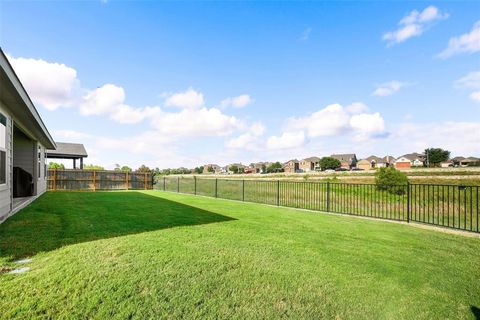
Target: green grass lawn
{"points": [[154, 255]]}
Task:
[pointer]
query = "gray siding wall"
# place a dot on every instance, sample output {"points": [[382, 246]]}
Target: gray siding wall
{"points": [[23, 153], [5, 189]]}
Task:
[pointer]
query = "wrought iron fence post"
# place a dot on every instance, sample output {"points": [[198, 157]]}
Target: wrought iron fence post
{"points": [[216, 188], [278, 192], [243, 190], [194, 185], [164, 183], [178, 184], [328, 196], [408, 202]]}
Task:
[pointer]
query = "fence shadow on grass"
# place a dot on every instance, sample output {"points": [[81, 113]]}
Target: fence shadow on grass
{"points": [[62, 218], [476, 312]]}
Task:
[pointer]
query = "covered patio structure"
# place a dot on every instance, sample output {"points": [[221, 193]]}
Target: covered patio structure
{"points": [[73, 151]]}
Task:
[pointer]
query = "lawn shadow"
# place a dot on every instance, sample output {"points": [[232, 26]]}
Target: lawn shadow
{"points": [[476, 312], [57, 219]]}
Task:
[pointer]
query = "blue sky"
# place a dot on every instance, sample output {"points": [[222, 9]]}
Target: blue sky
{"points": [[171, 84]]}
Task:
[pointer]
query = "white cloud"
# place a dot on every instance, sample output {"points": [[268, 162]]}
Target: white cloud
{"points": [[70, 135], [331, 120], [357, 107], [189, 99], [287, 140], [388, 88], [471, 81], [335, 120], [414, 24], [236, 102], [51, 85], [365, 125], [465, 43], [109, 100], [201, 122], [249, 140]]}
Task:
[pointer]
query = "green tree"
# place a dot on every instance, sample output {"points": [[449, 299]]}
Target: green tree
{"points": [[435, 156], [54, 165], [274, 167], [210, 169], [233, 168], [391, 180], [199, 170], [93, 167], [126, 169], [117, 167], [144, 169], [327, 163]]}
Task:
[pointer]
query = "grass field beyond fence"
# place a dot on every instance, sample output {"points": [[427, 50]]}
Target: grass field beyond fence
{"points": [[452, 206], [156, 255]]}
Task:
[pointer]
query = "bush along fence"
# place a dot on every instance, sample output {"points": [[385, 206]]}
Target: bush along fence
{"points": [[92, 180], [452, 206]]}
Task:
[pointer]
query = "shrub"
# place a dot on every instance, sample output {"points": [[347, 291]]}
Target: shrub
{"points": [[391, 180]]}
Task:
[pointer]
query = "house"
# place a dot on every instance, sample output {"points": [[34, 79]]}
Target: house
{"points": [[470, 162], [23, 141], [457, 160], [364, 164], [347, 161], [211, 168], [310, 164], [410, 160], [446, 164], [291, 166], [388, 161]]}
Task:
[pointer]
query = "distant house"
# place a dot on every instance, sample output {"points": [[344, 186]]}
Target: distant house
{"points": [[260, 166], [457, 160], [310, 164], [446, 164], [291, 166], [470, 162], [410, 160], [375, 162], [211, 168], [347, 161]]}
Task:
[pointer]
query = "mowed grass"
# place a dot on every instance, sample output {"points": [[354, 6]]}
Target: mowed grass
{"points": [[154, 254]]}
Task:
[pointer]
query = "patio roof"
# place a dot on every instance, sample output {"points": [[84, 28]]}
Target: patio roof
{"points": [[68, 151]]}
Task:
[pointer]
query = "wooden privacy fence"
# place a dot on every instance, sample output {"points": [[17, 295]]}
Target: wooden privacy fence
{"points": [[98, 180]]}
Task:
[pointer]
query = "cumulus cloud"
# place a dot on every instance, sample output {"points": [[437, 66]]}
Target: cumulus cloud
{"points": [[357, 107], [236, 102], [414, 24], [367, 125], [70, 135], [201, 122], [388, 88], [51, 85], [249, 140], [109, 100], [471, 81], [189, 99], [465, 43], [287, 140], [333, 119]]}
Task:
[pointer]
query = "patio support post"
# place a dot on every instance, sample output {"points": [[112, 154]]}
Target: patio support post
{"points": [[81, 163]]}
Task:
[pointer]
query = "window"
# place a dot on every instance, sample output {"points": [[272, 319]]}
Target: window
{"points": [[3, 149]]}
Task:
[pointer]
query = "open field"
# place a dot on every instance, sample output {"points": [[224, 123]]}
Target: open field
{"points": [[445, 205], [153, 254]]}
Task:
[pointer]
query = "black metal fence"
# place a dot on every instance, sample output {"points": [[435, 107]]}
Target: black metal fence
{"points": [[452, 206]]}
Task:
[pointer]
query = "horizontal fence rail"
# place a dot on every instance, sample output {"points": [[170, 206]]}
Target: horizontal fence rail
{"points": [[92, 180], [451, 206]]}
